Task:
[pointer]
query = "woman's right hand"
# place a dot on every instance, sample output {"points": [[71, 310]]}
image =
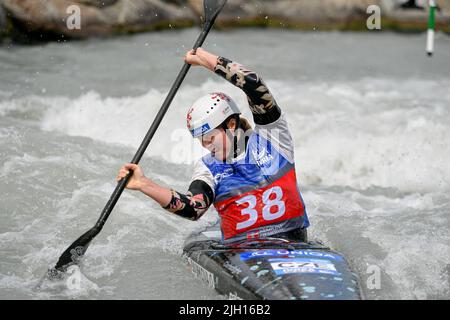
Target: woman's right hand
{"points": [[137, 180]]}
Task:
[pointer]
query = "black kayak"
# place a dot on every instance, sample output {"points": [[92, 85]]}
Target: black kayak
{"points": [[272, 268]]}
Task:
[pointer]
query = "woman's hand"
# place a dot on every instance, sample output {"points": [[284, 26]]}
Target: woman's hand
{"points": [[201, 58], [137, 180]]}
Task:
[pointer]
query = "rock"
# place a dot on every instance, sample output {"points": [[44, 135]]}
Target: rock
{"points": [[115, 16], [2, 19], [408, 18], [97, 3], [325, 14], [411, 4], [147, 14], [291, 12], [5, 28], [48, 19]]}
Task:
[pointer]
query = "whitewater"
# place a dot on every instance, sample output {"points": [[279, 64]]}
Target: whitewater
{"points": [[370, 118]]}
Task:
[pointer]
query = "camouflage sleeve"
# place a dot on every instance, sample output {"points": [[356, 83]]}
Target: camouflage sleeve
{"points": [[262, 104], [194, 203]]}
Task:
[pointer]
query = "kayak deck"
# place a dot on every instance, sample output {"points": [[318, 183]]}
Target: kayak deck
{"points": [[273, 269]]}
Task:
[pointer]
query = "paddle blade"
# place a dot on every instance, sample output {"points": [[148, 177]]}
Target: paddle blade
{"points": [[212, 9], [75, 251]]}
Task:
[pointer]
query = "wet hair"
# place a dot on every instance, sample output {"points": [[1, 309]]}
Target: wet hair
{"points": [[242, 123]]}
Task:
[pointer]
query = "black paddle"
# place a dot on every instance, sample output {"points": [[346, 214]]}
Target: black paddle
{"points": [[73, 254]]}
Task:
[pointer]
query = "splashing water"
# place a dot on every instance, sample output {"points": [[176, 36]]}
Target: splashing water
{"points": [[371, 136]]}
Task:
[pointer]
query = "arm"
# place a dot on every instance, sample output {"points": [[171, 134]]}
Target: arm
{"points": [[191, 205], [262, 104], [194, 203]]}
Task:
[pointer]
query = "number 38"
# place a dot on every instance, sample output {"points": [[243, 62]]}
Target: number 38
{"points": [[266, 210]]}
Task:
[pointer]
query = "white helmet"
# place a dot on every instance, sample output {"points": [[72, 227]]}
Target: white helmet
{"points": [[209, 112]]}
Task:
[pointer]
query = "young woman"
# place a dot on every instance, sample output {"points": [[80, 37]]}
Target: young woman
{"points": [[249, 175]]}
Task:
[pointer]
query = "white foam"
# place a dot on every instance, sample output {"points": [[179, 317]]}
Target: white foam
{"points": [[382, 143], [374, 132], [371, 132], [406, 236], [419, 270], [394, 135]]}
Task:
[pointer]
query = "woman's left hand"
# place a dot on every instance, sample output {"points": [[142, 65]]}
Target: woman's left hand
{"points": [[201, 58]]}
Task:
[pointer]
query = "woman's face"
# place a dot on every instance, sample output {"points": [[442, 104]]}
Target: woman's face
{"points": [[217, 142]]}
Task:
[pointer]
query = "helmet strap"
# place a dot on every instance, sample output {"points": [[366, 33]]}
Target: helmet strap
{"points": [[233, 136]]}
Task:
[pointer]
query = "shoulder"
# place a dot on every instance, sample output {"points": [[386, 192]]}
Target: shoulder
{"points": [[279, 124], [279, 135], [202, 172]]}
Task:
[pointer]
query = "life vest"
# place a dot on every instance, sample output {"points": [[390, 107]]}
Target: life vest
{"points": [[257, 195]]}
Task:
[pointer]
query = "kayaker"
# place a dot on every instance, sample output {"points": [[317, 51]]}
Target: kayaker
{"points": [[249, 175]]}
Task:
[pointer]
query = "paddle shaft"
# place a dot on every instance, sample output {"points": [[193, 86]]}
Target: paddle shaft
{"points": [[77, 249], [156, 122]]}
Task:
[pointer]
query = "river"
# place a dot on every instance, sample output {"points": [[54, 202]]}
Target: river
{"points": [[369, 114]]}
